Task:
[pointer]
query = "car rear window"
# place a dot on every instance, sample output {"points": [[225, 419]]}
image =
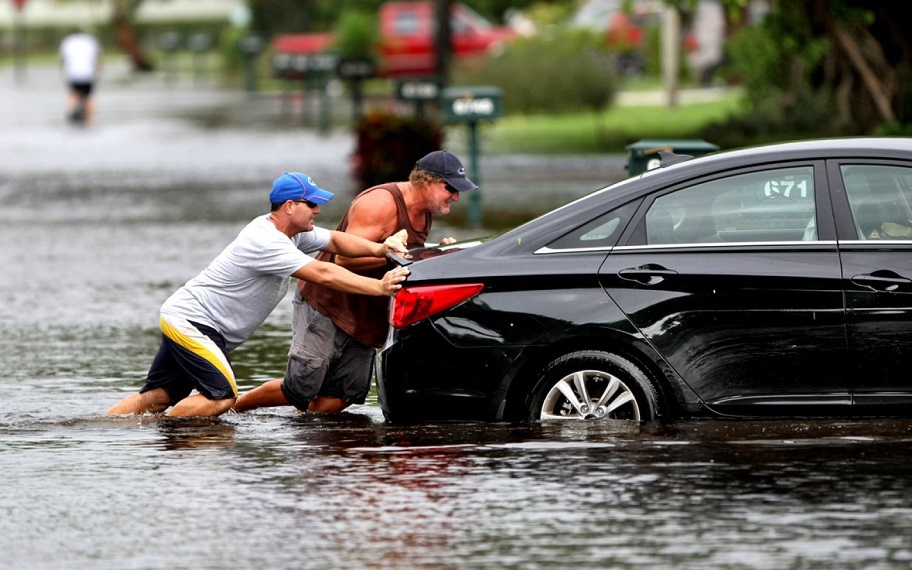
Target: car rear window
{"points": [[599, 233]]}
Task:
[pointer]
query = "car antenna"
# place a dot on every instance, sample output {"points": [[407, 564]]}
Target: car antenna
{"points": [[669, 158]]}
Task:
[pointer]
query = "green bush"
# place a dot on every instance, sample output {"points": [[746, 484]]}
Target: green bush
{"points": [[388, 145], [356, 34], [554, 72], [802, 113], [767, 60], [778, 64], [229, 54], [894, 129]]}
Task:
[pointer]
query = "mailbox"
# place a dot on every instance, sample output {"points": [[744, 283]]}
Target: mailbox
{"points": [[169, 41], [418, 88], [356, 68], [322, 64], [199, 42], [471, 104], [251, 46]]}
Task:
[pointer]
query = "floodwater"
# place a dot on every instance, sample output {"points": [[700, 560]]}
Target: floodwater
{"points": [[98, 227]]}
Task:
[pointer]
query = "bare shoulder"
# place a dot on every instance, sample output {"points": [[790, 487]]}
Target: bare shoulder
{"points": [[373, 215], [375, 199]]}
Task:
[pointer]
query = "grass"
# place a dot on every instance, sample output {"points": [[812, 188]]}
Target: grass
{"points": [[606, 132]]}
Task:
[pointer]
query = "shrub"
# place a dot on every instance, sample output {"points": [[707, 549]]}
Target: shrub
{"points": [[778, 64], [894, 129], [356, 34], [802, 113], [560, 70], [388, 145]]}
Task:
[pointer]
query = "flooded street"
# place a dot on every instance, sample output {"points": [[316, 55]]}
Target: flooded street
{"points": [[98, 227]]}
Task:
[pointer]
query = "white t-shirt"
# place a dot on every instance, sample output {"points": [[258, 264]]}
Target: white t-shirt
{"points": [[246, 281], [80, 55]]}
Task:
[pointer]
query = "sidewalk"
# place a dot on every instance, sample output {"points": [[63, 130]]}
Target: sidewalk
{"points": [[658, 97]]}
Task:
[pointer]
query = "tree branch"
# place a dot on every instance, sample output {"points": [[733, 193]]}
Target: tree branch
{"points": [[880, 93]]}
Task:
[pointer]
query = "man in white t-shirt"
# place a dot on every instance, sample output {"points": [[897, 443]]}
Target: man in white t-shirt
{"points": [[216, 311], [80, 59]]}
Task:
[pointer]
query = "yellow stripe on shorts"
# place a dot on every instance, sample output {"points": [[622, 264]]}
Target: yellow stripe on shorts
{"points": [[186, 335]]}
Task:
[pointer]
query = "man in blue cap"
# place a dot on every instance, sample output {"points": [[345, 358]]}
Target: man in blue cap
{"points": [[216, 311], [336, 333]]}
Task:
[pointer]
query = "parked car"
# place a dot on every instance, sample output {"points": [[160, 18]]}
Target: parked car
{"points": [[772, 281], [407, 36]]}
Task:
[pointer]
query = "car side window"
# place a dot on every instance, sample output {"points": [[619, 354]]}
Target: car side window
{"points": [[880, 197], [406, 24], [602, 232], [762, 206], [460, 26]]}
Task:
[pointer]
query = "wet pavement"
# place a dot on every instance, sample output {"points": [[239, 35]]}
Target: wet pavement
{"points": [[157, 133], [99, 226]]}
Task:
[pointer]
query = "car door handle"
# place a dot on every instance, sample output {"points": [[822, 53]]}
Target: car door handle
{"points": [[647, 274], [882, 280]]}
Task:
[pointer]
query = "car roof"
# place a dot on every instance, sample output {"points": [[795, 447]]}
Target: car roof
{"points": [[540, 231], [861, 147]]}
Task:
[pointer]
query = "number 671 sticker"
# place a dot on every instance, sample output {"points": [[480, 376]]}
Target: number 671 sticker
{"points": [[786, 188]]}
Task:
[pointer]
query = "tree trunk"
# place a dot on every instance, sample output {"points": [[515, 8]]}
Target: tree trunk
{"points": [[876, 76], [126, 35]]}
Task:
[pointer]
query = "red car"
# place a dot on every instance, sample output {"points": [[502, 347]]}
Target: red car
{"points": [[407, 38]]}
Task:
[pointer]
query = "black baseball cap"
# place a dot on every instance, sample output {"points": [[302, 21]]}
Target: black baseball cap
{"points": [[444, 164]]}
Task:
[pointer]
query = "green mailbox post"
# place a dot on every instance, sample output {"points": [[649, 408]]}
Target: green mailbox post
{"points": [[250, 47], [320, 67], [471, 105], [643, 155]]}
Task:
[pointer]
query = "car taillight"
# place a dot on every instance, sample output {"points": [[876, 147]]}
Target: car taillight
{"points": [[412, 304]]}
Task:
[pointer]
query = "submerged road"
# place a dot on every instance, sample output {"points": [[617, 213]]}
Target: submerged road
{"points": [[152, 132]]}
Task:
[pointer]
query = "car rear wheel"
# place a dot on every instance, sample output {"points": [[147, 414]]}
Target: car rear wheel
{"points": [[593, 385]]}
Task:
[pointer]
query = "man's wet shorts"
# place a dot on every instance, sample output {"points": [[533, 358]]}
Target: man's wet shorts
{"points": [[324, 361], [191, 356]]}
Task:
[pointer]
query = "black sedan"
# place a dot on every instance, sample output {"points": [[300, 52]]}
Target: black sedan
{"points": [[772, 281]]}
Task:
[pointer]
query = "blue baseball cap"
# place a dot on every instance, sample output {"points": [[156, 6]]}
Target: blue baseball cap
{"points": [[297, 186]]}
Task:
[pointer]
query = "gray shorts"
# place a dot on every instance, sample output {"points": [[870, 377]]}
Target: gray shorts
{"points": [[324, 360]]}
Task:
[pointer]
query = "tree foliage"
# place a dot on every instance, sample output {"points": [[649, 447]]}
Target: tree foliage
{"points": [[844, 62], [535, 76]]}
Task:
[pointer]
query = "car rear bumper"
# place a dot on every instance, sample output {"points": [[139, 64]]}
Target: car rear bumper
{"points": [[444, 382]]}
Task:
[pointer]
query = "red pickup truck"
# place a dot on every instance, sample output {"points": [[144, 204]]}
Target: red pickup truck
{"points": [[407, 38]]}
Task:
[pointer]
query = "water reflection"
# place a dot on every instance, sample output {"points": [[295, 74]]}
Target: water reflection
{"points": [[195, 433]]}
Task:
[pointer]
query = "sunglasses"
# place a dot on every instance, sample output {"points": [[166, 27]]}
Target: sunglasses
{"points": [[309, 204], [450, 189]]}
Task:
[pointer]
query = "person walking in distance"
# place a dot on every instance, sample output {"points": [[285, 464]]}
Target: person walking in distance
{"points": [[80, 60]]}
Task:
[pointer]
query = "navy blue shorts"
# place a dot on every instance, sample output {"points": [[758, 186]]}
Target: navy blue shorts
{"points": [[191, 356], [81, 87]]}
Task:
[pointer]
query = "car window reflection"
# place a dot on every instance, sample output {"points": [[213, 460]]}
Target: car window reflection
{"points": [[880, 198], [766, 206], [601, 233]]}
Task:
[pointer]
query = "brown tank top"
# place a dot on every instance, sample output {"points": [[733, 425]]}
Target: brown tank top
{"points": [[364, 317]]}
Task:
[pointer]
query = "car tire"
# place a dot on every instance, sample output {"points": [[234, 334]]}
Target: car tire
{"points": [[615, 389]]}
